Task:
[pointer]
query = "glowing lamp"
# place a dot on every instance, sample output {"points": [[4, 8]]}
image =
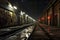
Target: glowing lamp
{"points": [[49, 17], [42, 18]]}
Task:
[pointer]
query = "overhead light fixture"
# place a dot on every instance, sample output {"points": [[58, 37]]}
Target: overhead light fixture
{"points": [[26, 15], [30, 17], [22, 13], [10, 5], [34, 20], [14, 7]]}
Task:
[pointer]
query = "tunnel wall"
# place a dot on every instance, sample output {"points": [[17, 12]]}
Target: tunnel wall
{"points": [[52, 15]]}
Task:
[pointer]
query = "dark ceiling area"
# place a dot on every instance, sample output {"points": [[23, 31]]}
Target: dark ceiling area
{"points": [[34, 8]]}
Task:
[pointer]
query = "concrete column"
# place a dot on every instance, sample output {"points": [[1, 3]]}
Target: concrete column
{"points": [[59, 18], [58, 5]]}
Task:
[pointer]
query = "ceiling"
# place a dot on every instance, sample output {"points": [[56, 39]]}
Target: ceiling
{"points": [[34, 8]]}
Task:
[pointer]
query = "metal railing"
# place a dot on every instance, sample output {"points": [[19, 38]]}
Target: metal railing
{"points": [[18, 32]]}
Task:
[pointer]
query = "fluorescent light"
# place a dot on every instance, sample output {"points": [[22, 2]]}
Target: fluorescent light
{"points": [[26, 15], [10, 5], [22, 13], [14, 7]]}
